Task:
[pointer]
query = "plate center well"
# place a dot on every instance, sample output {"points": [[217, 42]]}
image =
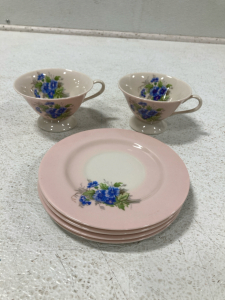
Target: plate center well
{"points": [[116, 167]]}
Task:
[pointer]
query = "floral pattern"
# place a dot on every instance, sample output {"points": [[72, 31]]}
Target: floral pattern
{"points": [[114, 195], [146, 112], [54, 110], [155, 89], [48, 86]]}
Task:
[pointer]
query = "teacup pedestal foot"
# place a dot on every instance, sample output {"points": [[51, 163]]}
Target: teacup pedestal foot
{"points": [[142, 127], [57, 126]]}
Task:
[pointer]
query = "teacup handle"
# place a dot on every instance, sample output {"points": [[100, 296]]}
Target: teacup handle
{"points": [[190, 110], [99, 92]]}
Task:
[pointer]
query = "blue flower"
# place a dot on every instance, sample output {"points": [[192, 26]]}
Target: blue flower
{"points": [[53, 84], [92, 184], [156, 98], [142, 103], [84, 201], [49, 103], [36, 94], [154, 91], [52, 111], [51, 94], [100, 196], [143, 93], [112, 192], [110, 201], [151, 113], [155, 79], [38, 109], [132, 107], [162, 91], [41, 76], [45, 88], [143, 112], [61, 110]]}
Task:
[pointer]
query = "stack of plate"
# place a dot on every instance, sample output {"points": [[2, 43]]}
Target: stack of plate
{"points": [[112, 185]]}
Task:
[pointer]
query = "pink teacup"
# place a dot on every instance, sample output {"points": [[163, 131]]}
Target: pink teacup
{"points": [[152, 97], [56, 94]]}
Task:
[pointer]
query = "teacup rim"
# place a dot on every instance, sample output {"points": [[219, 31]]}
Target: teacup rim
{"points": [[154, 73], [55, 99]]}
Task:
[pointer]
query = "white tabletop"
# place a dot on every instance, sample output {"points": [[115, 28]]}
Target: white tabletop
{"points": [[41, 261]]}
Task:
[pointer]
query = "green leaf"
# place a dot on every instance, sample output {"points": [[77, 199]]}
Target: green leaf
{"points": [[137, 106], [118, 184], [57, 106], [103, 186], [148, 107], [96, 187], [89, 194], [59, 89], [168, 85], [57, 77], [149, 86], [48, 79], [121, 206], [38, 85], [43, 107], [122, 197], [160, 84], [159, 109], [68, 105]]}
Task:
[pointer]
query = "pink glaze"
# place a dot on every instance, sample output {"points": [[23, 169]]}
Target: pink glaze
{"points": [[162, 192]]}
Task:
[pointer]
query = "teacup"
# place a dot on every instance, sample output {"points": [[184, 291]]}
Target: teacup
{"points": [[152, 97], [56, 94]]}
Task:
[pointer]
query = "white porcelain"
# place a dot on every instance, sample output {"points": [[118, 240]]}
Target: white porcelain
{"points": [[146, 102], [56, 94]]}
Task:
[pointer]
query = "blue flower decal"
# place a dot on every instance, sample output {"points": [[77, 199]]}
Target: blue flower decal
{"points": [[53, 84], [41, 76], [84, 201], [48, 86], [100, 196], [92, 184], [132, 107], [112, 192], [155, 79], [104, 193], [110, 201], [38, 109], [49, 103], [36, 94], [154, 91], [142, 103], [162, 91], [61, 110], [45, 88], [156, 98], [143, 93], [51, 94]]}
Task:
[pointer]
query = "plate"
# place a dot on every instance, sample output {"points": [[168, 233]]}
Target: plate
{"points": [[106, 238], [101, 231], [113, 179]]}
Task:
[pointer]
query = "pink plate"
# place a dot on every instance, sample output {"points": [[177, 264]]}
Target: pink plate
{"points": [[135, 181], [101, 231], [112, 239]]}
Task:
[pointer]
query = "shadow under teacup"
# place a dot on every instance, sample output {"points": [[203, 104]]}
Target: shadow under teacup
{"points": [[56, 94], [152, 97]]}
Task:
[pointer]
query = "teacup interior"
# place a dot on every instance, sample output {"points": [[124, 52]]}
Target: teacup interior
{"points": [[133, 83], [74, 83]]}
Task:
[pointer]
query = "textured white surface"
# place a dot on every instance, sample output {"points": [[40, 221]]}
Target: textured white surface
{"points": [[118, 34], [41, 261], [193, 18]]}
